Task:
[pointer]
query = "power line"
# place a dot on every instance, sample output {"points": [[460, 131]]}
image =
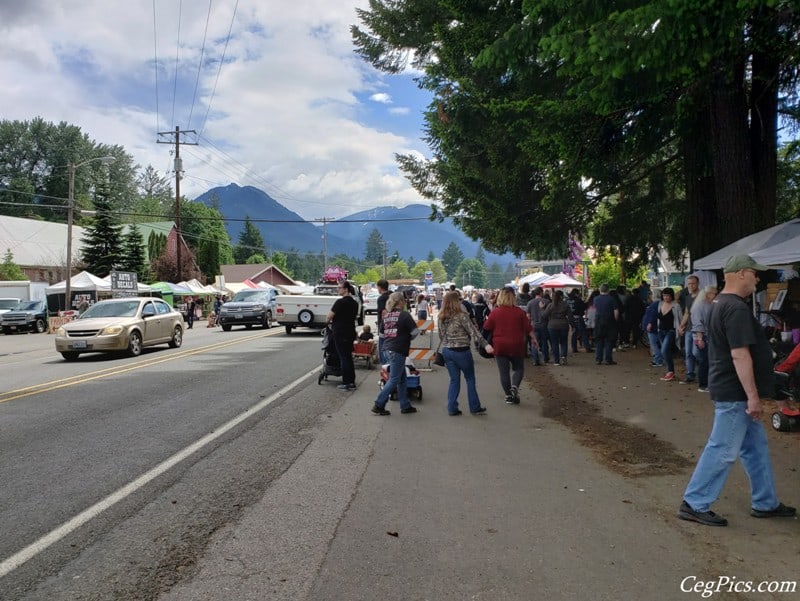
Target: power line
{"points": [[221, 62], [199, 64], [155, 58], [177, 57]]}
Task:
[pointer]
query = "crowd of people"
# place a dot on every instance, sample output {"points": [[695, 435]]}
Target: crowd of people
{"points": [[725, 351]]}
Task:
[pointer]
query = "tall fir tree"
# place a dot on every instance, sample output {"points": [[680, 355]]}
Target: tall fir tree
{"points": [[102, 244], [452, 258], [375, 248], [133, 255], [251, 242]]}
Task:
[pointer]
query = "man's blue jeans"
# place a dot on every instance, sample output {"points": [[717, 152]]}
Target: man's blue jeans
{"points": [[688, 349], [397, 381], [543, 338], [701, 359], [655, 348], [456, 363], [734, 434]]}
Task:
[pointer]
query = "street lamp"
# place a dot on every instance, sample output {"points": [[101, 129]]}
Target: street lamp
{"points": [[70, 213]]}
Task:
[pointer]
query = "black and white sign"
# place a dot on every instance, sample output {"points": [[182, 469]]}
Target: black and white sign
{"points": [[124, 283]]}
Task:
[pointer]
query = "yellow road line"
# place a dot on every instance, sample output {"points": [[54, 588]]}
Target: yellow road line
{"points": [[112, 371]]}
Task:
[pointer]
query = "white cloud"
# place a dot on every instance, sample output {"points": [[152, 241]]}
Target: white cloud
{"points": [[286, 114]]}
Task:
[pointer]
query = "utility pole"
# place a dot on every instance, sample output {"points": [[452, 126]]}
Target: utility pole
{"points": [[178, 171], [324, 221]]}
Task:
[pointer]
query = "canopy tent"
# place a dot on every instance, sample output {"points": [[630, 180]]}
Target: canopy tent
{"points": [[169, 291], [197, 288], [777, 245], [561, 280], [534, 279], [81, 282], [170, 288], [83, 285]]}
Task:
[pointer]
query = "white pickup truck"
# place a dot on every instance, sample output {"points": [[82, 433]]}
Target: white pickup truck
{"points": [[310, 310]]}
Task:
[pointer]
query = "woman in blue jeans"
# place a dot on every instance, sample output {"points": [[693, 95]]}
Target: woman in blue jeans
{"points": [[667, 319], [456, 333], [398, 330]]}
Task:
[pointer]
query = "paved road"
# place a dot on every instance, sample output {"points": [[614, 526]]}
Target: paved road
{"points": [[315, 498]]}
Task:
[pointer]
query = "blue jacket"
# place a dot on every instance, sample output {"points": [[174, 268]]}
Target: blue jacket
{"points": [[650, 316]]}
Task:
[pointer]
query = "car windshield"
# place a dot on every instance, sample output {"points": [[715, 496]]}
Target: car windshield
{"points": [[250, 295], [116, 309], [9, 303], [28, 306]]}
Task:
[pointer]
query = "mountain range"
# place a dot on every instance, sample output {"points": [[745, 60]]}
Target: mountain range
{"points": [[406, 230]]}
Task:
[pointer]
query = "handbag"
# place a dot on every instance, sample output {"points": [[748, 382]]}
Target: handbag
{"points": [[438, 358], [481, 349]]}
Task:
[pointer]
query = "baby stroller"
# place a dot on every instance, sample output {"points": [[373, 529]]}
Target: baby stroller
{"points": [[413, 385], [330, 358]]}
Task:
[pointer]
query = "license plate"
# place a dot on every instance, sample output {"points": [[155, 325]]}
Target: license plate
{"points": [[13, 327], [238, 316], [79, 344]]}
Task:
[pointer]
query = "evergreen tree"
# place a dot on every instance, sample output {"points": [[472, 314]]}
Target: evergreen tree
{"points": [[452, 258], [431, 257], [375, 248], [102, 244], [133, 257], [10, 270], [251, 242], [480, 255], [156, 244], [471, 272], [208, 257], [279, 260]]}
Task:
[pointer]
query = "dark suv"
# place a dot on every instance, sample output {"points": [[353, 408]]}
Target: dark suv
{"points": [[249, 308], [410, 292], [29, 316]]}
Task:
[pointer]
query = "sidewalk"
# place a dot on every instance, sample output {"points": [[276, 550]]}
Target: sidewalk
{"points": [[505, 506]]}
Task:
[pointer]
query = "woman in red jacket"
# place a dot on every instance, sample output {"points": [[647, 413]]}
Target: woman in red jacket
{"points": [[510, 328]]}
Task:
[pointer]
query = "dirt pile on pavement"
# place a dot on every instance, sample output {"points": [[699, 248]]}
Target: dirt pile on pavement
{"points": [[622, 447]]}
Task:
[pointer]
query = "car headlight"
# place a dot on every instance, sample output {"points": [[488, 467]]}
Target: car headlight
{"points": [[111, 331], [61, 331]]}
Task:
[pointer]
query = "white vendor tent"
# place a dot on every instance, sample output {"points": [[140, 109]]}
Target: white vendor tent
{"points": [[777, 245], [561, 280]]}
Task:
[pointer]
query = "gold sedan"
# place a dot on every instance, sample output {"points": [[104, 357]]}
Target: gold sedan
{"points": [[121, 324]]}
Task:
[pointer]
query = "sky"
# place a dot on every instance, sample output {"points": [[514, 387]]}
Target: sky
{"points": [[273, 88]]}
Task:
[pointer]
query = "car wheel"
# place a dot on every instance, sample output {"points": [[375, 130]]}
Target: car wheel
{"points": [[177, 338], [288, 329], [135, 344], [305, 317], [40, 326], [70, 355], [268, 320], [226, 328]]}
